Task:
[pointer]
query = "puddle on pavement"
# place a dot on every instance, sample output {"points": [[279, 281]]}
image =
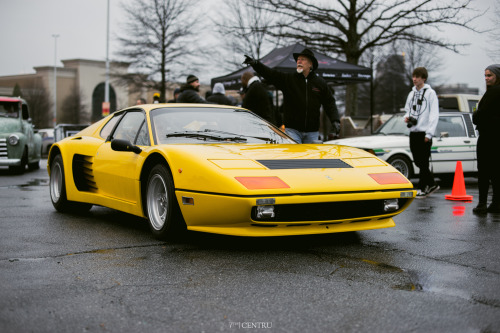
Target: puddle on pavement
{"points": [[31, 183]]}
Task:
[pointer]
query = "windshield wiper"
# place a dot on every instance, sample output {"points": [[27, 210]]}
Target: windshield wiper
{"points": [[204, 135], [243, 135]]}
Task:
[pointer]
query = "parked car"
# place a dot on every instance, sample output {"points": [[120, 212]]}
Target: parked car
{"points": [[19, 144], [47, 135], [455, 140], [62, 131], [221, 169], [458, 102]]}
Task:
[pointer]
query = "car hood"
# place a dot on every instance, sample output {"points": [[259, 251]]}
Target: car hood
{"points": [[305, 168], [9, 125], [268, 151], [373, 141]]}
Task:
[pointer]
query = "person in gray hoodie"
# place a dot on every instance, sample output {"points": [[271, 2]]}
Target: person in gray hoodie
{"points": [[219, 95]]}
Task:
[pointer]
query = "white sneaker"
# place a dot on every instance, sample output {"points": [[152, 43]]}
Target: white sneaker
{"points": [[432, 189], [421, 194]]}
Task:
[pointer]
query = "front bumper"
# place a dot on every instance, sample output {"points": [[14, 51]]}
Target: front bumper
{"points": [[10, 161], [232, 215]]}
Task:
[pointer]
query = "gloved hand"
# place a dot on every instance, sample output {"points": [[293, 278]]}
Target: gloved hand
{"points": [[249, 60], [336, 127]]}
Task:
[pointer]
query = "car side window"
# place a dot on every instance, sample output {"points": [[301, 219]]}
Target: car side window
{"points": [[142, 137], [130, 127], [106, 130], [454, 126]]}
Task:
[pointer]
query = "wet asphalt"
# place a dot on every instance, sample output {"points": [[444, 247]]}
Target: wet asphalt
{"points": [[436, 271]]}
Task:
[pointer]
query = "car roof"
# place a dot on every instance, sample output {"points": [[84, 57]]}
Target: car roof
{"points": [[10, 99]]}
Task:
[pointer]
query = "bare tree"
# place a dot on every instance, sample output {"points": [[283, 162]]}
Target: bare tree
{"points": [[352, 27], [418, 55], [245, 26], [72, 107], [494, 35], [39, 102], [158, 40]]}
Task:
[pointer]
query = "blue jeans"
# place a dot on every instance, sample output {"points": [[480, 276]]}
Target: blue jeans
{"points": [[303, 137]]}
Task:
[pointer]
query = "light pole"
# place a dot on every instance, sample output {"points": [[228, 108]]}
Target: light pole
{"points": [[106, 104], [55, 79]]}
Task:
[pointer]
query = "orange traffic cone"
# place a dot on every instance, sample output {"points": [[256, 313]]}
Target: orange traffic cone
{"points": [[458, 191]]}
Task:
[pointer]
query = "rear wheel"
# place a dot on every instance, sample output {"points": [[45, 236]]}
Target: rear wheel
{"points": [[402, 164], [165, 219], [57, 187]]}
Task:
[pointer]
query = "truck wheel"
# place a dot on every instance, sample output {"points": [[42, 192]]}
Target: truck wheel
{"points": [[19, 169]]}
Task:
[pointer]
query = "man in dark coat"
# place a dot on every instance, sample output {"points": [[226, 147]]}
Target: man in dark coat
{"points": [[189, 91], [304, 93], [256, 97], [487, 118]]}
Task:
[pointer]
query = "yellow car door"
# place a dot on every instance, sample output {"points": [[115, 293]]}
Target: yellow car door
{"points": [[116, 172]]}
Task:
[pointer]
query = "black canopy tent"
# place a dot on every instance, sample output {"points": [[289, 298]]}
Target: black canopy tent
{"points": [[332, 70]]}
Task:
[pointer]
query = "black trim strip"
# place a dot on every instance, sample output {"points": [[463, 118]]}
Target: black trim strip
{"points": [[291, 194], [463, 160], [304, 164]]}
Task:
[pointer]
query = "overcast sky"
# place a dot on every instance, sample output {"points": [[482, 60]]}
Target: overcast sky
{"points": [[27, 27]]}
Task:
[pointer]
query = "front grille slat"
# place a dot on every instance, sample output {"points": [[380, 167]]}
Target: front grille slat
{"points": [[328, 211], [3, 148], [304, 164]]}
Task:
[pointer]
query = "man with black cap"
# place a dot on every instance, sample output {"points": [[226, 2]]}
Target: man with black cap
{"points": [[304, 93], [189, 91]]}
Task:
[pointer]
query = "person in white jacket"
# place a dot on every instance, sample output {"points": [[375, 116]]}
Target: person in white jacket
{"points": [[422, 115]]}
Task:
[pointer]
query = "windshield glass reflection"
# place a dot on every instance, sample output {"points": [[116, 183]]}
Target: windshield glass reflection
{"points": [[209, 125]]}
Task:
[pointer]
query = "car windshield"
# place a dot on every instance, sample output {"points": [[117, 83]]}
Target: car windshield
{"points": [[394, 126], [209, 125], [9, 109]]}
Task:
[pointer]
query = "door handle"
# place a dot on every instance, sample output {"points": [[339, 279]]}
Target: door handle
{"points": [[466, 141]]}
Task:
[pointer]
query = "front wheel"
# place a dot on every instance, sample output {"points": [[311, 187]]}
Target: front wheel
{"points": [[402, 164], [165, 219], [19, 169], [57, 187]]}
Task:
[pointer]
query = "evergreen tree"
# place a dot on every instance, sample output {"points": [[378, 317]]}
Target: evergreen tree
{"points": [[17, 91]]}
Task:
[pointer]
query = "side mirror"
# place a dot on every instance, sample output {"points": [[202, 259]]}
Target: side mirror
{"points": [[124, 145]]}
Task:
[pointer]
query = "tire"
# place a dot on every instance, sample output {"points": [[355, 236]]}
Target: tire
{"points": [[57, 187], [19, 169], [402, 164], [34, 165], [162, 209]]}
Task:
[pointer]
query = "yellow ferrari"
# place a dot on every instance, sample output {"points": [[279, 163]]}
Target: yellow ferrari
{"points": [[222, 170]]}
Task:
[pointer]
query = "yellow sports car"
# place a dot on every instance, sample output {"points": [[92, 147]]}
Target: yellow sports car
{"points": [[222, 170]]}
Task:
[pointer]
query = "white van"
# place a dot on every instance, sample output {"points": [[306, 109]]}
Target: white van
{"points": [[458, 102]]}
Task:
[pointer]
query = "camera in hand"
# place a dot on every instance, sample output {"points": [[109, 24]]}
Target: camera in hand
{"points": [[411, 122]]}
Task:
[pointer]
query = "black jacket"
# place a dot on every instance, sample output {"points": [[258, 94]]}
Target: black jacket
{"points": [[303, 98], [487, 115], [218, 98], [258, 101], [189, 95]]}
